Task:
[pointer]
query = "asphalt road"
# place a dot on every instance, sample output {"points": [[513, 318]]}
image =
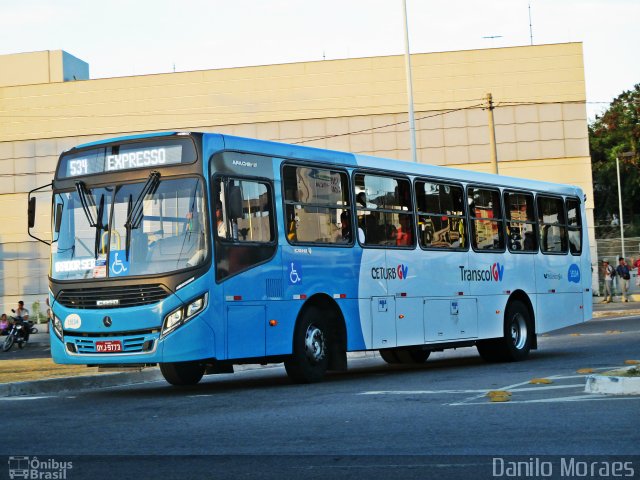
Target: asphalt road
{"points": [[397, 422]]}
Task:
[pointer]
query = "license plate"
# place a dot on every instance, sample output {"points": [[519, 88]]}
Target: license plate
{"points": [[109, 346]]}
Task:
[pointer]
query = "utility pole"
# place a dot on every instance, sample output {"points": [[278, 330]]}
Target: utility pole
{"points": [[407, 64], [492, 134]]}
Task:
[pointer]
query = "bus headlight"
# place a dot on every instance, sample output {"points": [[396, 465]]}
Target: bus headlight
{"points": [[183, 314], [195, 306], [57, 327]]}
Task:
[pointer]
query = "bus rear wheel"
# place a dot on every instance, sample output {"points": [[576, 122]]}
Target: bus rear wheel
{"points": [[182, 374], [516, 341], [408, 356], [311, 344]]}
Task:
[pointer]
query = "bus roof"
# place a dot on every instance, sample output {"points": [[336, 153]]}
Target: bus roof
{"points": [[335, 157], [301, 152]]}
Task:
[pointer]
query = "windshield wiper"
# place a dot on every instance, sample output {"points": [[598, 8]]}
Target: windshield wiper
{"points": [[99, 226], [135, 212], [86, 200]]}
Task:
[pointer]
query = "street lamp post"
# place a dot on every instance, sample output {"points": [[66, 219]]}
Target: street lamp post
{"points": [[407, 63], [623, 155]]}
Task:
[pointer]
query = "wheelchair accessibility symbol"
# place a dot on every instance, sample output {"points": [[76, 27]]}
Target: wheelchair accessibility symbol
{"points": [[118, 266], [295, 273]]}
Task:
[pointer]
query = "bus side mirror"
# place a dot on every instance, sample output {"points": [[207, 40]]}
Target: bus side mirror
{"points": [[58, 215], [235, 202], [31, 212]]}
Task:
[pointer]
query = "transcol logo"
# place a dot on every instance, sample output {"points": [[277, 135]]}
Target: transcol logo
{"points": [[492, 274]]}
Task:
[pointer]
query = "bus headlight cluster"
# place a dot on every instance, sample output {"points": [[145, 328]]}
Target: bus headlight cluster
{"points": [[183, 314], [57, 327]]}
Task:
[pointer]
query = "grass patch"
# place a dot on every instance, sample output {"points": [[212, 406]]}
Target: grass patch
{"points": [[39, 369]]}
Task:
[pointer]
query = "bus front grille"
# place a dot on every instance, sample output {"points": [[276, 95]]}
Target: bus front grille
{"points": [[113, 297]]}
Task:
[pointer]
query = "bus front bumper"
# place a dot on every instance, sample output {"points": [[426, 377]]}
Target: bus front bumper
{"points": [[195, 340]]}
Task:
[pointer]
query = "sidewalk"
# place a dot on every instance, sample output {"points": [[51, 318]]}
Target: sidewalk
{"points": [[91, 380], [616, 308]]}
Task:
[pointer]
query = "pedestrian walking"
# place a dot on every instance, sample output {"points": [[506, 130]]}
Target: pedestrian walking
{"points": [[609, 274], [624, 275]]}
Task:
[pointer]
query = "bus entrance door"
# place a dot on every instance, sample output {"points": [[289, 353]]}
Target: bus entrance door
{"points": [[383, 316]]}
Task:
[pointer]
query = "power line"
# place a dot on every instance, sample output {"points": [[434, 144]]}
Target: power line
{"points": [[387, 125]]}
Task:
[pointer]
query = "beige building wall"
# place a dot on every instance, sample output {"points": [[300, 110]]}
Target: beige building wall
{"points": [[355, 105]]}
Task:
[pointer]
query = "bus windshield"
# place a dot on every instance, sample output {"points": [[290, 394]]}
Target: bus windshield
{"points": [[126, 230]]}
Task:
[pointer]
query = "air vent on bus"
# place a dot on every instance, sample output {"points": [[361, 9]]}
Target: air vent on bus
{"points": [[112, 297]]}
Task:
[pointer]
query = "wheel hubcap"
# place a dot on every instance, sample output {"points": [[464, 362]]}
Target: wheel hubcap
{"points": [[314, 344], [518, 331]]}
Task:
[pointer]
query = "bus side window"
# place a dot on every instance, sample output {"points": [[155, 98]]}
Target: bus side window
{"points": [[485, 213], [553, 228], [384, 211], [317, 205], [521, 222], [574, 226], [441, 221]]}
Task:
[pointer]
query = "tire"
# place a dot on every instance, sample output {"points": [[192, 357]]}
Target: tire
{"points": [[182, 374], [407, 356], [22, 344], [8, 343], [516, 341], [312, 344], [33, 330], [389, 356], [413, 356]]}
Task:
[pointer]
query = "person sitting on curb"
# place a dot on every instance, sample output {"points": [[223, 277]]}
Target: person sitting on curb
{"points": [[4, 324]]}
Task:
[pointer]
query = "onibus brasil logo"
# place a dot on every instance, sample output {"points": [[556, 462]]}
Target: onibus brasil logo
{"points": [[41, 469], [492, 274]]}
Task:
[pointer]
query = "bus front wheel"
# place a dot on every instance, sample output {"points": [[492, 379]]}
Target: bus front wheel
{"points": [[182, 373], [516, 341], [311, 343]]}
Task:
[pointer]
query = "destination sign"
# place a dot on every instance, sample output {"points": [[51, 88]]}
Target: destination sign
{"points": [[126, 157]]}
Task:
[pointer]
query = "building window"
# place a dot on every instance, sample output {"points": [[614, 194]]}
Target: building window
{"points": [[441, 221]]}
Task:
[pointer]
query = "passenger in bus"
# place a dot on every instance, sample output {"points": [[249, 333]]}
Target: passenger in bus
{"points": [[529, 241], [222, 227], [292, 229], [404, 235], [345, 222]]}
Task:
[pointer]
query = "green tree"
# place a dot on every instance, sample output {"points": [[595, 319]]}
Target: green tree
{"points": [[615, 132]]}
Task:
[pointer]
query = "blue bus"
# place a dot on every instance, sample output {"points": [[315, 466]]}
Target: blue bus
{"points": [[199, 251]]}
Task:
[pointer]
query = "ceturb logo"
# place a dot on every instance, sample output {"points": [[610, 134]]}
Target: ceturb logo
{"points": [[401, 272], [492, 274]]}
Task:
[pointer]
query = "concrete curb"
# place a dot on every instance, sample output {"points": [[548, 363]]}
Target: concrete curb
{"points": [[65, 384], [89, 382], [613, 385], [616, 313]]}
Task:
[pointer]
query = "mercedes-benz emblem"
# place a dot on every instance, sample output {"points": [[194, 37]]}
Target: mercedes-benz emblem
{"points": [[107, 321]]}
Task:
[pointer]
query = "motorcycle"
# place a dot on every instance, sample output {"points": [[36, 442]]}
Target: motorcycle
{"points": [[29, 323], [16, 335]]}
